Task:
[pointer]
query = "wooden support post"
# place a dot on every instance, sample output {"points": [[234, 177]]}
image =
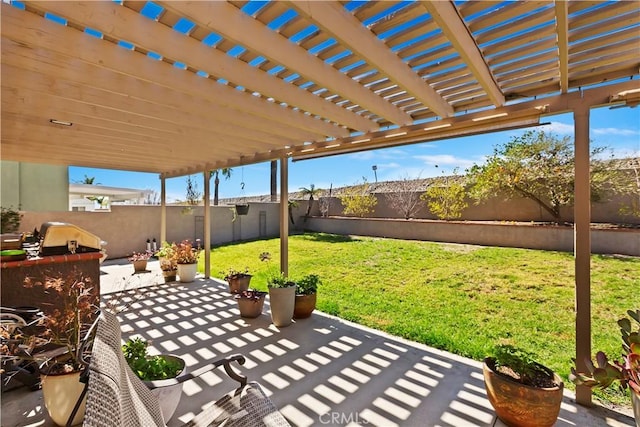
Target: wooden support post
{"points": [[207, 224], [163, 210], [582, 247], [284, 216]]}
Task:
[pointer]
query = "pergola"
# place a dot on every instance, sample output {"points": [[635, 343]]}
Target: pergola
{"points": [[177, 88]]}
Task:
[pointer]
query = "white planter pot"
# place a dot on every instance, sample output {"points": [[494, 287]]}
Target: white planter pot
{"points": [[282, 301], [169, 397], [60, 393], [187, 272]]}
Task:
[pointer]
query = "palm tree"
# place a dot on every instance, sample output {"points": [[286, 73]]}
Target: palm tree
{"points": [[312, 191], [90, 180], [274, 176], [291, 205], [226, 172]]}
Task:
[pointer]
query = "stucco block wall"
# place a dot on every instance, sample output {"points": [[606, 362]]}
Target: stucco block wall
{"points": [[34, 187], [127, 228], [495, 209], [554, 238]]}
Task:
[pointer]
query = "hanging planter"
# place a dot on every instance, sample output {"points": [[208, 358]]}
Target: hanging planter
{"points": [[242, 209]]}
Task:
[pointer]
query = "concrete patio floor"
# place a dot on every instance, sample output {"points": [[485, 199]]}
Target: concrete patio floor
{"points": [[318, 371]]}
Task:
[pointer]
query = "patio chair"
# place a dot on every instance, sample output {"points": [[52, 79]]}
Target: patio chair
{"points": [[117, 397]]}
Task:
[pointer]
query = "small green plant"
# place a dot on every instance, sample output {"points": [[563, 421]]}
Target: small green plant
{"points": [[148, 368], [308, 284], [10, 220], [166, 250], [520, 366], [275, 278]]}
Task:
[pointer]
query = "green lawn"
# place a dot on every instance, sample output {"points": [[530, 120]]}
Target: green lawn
{"points": [[460, 298]]}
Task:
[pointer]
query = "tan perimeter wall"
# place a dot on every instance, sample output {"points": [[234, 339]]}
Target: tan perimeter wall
{"points": [[495, 209], [34, 187], [624, 242], [127, 228]]}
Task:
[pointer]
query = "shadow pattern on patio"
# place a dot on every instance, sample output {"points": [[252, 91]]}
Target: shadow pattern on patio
{"points": [[318, 371]]}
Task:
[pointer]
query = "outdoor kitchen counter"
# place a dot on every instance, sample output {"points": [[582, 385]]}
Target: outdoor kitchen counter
{"points": [[13, 274]]}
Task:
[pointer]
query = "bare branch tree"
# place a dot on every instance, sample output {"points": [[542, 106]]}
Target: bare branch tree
{"points": [[405, 199]]}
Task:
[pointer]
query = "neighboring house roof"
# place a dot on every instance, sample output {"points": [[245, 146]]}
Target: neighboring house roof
{"points": [[114, 193]]}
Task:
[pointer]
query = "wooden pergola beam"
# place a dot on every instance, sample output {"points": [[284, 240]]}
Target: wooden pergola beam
{"points": [[332, 17]]}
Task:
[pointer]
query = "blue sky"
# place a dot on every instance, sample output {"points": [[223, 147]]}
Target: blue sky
{"points": [[617, 128]]}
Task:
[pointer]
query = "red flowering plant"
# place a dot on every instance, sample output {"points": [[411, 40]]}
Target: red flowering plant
{"points": [[185, 253], [64, 326]]}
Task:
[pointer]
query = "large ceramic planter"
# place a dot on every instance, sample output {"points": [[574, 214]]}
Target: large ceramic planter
{"points": [[169, 397], [282, 301], [187, 272], [239, 283], [304, 306], [251, 307], [60, 393], [521, 405], [635, 403]]}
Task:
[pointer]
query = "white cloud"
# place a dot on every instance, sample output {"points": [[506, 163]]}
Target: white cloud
{"points": [[614, 131], [559, 128], [391, 165], [446, 160], [386, 154]]}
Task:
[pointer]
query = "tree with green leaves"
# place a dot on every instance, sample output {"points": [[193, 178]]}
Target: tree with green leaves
{"points": [[540, 167], [358, 200], [446, 196], [312, 191], [226, 173]]}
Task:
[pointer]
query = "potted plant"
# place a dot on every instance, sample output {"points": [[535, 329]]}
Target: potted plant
{"points": [[238, 280], [169, 269], [165, 251], [250, 302], [63, 330], [625, 371], [139, 260], [306, 292], [153, 368], [282, 295], [186, 258], [522, 391]]}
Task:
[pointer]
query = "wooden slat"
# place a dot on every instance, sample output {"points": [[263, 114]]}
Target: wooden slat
{"points": [[125, 24], [235, 25], [235, 106], [333, 18], [562, 30], [452, 25]]}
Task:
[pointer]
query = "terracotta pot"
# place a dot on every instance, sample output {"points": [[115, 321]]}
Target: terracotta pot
{"points": [[239, 283], [304, 306], [635, 403], [60, 393], [249, 307], [282, 301], [140, 265], [169, 397], [187, 272], [169, 275], [521, 405]]}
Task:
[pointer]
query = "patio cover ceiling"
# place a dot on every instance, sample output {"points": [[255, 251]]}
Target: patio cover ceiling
{"points": [[181, 87]]}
